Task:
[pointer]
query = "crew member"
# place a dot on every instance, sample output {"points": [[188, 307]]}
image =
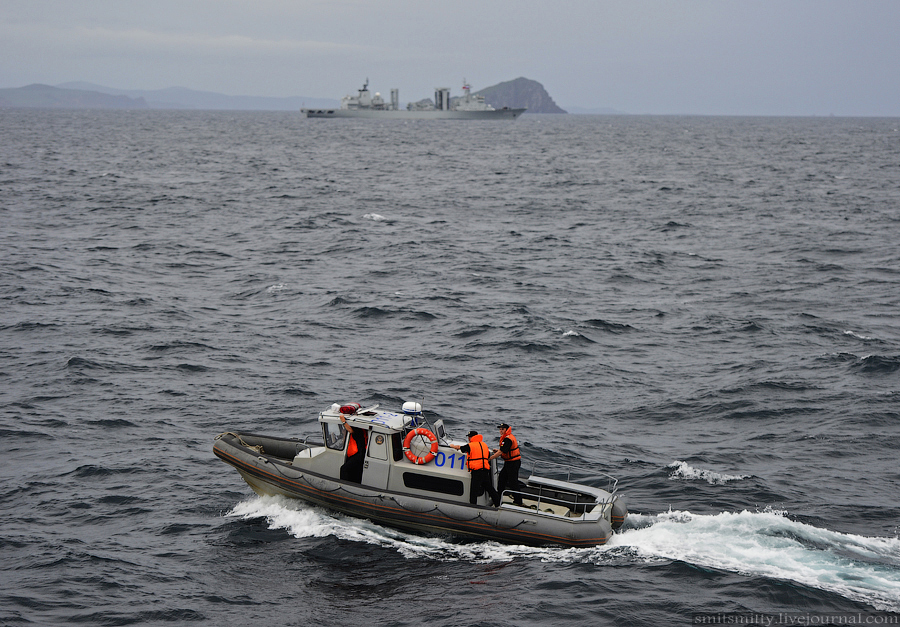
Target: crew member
{"points": [[512, 461], [477, 459], [352, 469]]}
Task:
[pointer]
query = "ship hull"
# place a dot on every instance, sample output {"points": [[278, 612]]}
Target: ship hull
{"points": [[497, 114]]}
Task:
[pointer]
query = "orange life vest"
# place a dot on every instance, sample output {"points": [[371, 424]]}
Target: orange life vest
{"points": [[477, 458], [514, 450], [353, 447]]}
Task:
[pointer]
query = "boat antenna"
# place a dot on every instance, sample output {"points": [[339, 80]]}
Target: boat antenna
{"points": [[422, 405]]}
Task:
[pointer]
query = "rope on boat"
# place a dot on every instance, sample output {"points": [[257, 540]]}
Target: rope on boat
{"points": [[394, 499], [478, 515], [518, 524], [276, 466], [401, 506], [320, 489], [258, 448], [436, 507], [352, 493]]}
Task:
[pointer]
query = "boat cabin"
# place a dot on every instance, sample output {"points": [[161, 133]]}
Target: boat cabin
{"points": [[391, 451]]}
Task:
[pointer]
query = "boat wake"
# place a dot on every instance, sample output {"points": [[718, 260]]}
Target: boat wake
{"points": [[770, 544], [303, 520], [756, 544]]}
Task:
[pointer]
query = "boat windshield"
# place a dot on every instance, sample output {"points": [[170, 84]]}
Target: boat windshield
{"points": [[334, 435]]}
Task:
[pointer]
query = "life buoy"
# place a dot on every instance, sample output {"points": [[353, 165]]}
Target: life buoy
{"points": [[412, 456]]}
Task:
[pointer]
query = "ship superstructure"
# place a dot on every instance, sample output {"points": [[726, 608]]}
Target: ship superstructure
{"points": [[443, 107]]}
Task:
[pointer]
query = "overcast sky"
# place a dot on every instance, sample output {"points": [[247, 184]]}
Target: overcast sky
{"points": [[727, 57]]}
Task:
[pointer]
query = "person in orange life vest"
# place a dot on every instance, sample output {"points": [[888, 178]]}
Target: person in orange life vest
{"points": [[512, 461], [477, 454], [352, 469]]}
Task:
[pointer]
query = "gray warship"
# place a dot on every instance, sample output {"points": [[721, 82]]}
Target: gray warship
{"points": [[366, 105]]}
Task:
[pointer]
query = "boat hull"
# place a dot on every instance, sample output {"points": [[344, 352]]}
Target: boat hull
{"points": [[508, 523], [497, 114]]}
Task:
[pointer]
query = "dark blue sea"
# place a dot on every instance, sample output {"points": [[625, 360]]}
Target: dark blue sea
{"points": [[707, 309]]}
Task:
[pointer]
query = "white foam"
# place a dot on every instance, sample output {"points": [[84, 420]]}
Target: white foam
{"points": [[756, 544], [684, 471], [769, 544], [305, 521]]}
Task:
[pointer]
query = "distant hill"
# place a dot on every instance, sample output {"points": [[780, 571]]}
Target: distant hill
{"points": [[521, 92], [47, 97], [183, 98]]}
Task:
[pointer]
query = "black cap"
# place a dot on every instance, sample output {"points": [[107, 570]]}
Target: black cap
{"points": [[503, 425], [471, 433]]}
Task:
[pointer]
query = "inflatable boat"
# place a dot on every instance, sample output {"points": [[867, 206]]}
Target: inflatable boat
{"points": [[399, 470]]}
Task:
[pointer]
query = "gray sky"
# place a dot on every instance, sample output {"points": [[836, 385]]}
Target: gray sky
{"points": [[730, 57]]}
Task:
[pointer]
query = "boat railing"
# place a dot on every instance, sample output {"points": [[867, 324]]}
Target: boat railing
{"points": [[540, 498], [574, 474], [563, 480]]}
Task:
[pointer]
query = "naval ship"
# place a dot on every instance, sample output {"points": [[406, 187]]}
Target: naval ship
{"points": [[365, 105]]}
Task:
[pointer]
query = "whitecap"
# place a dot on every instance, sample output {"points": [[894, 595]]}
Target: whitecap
{"points": [[769, 544], [684, 471]]}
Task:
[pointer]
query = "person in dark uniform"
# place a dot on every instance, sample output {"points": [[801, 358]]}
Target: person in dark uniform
{"points": [[512, 461], [479, 464], [352, 469]]}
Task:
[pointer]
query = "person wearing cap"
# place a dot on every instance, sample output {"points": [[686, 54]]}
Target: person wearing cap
{"points": [[512, 461], [479, 464]]}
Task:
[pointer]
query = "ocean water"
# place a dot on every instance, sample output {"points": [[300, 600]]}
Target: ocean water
{"points": [[706, 308]]}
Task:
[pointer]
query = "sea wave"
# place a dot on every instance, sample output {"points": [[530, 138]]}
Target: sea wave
{"points": [[764, 543], [771, 544], [683, 470]]}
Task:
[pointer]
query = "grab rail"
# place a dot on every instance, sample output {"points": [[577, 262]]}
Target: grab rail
{"points": [[612, 483], [572, 506], [527, 495]]}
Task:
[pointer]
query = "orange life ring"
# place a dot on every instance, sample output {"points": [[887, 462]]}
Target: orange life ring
{"points": [[423, 432]]}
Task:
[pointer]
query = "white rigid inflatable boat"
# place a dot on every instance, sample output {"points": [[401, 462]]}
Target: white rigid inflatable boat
{"points": [[406, 475]]}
